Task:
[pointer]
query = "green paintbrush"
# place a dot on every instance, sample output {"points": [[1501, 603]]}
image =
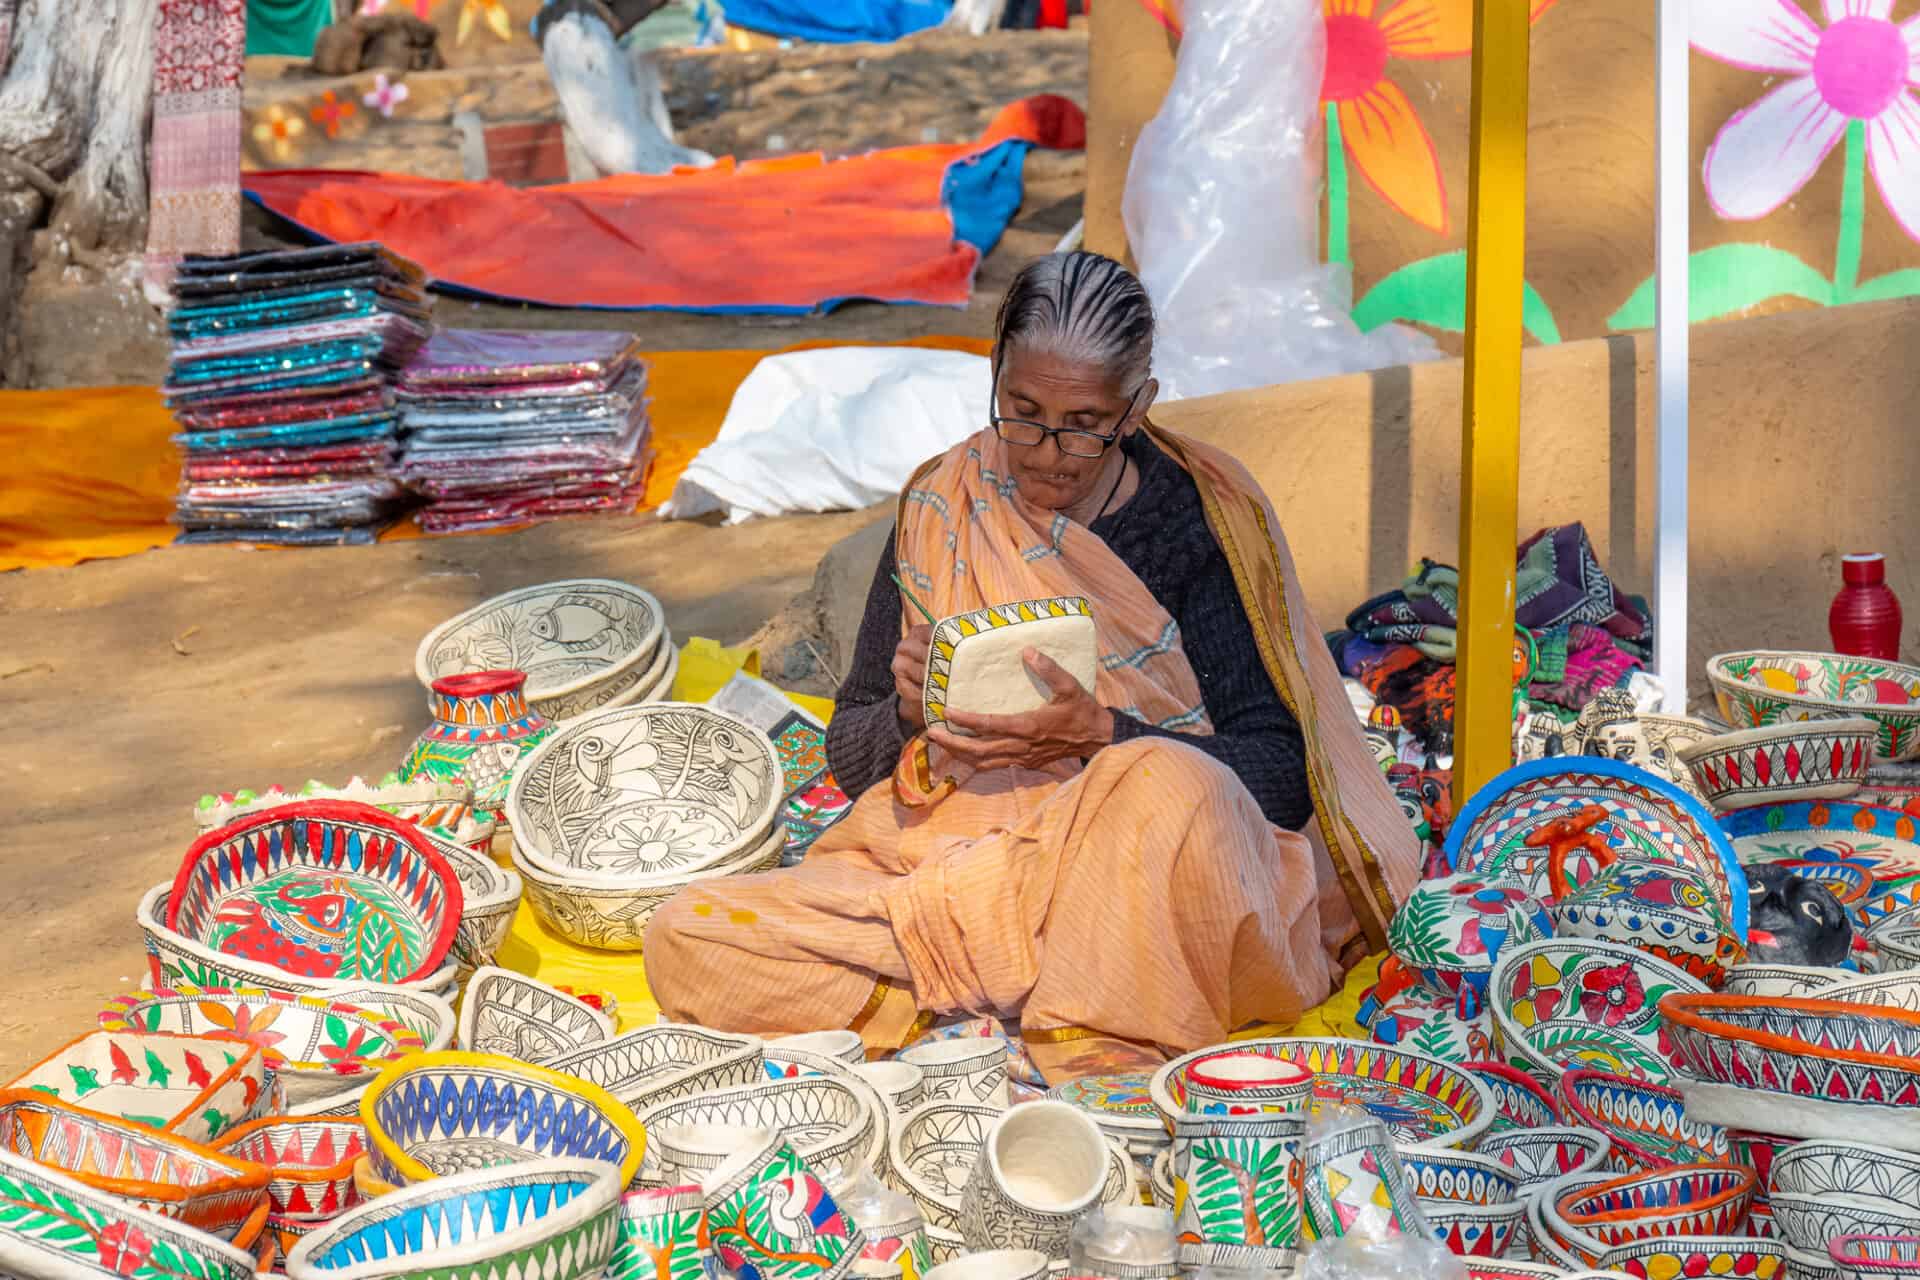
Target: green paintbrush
{"points": [[914, 600]]}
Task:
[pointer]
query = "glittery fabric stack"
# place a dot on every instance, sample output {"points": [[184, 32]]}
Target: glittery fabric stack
{"points": [[506, 427], [281, 382]]}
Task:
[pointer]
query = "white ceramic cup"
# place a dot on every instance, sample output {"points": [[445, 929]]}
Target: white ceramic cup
{"points": [[993, 1264], [844, 1045], [901, 1084], [1043, 1164], [967, 1069]]}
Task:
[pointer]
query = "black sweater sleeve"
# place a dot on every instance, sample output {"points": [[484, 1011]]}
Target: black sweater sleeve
{"points": [[1162, 535], [865, 737]]}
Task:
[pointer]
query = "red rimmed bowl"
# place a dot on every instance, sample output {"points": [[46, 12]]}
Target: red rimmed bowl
{"points": [[1872, 1257], [322, 889], [310, 1163], [1647, 1122], [1804, 1068], [1687, 1200], [1520, 1101]]}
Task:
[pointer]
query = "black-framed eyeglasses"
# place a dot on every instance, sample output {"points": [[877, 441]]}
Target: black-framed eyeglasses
{"points": [[1072, 441]]}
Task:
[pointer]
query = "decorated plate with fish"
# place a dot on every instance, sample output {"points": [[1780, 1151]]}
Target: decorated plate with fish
{"points": [[645, 792], [578, 640], [1869, 856], [1502, 832]]}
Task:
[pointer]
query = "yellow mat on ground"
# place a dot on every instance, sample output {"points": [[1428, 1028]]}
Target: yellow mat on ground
{"points": [[91, 472]]}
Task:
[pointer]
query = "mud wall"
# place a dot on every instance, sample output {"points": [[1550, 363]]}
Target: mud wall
{"points": [[1777, 225], [1803, 448]]}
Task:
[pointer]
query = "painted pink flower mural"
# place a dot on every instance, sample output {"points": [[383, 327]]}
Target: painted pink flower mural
{"points": [[1856, 67]]}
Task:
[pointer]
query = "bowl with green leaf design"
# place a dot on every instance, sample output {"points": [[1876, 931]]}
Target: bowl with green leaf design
{"points": [[1451, 929], [1576, 1003], [1759, 687]]}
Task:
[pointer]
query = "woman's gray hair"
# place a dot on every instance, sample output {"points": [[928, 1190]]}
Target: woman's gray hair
{"points": [[1083, 306]]}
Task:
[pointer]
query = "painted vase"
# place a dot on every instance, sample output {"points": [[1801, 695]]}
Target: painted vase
{"points": [[1665, 910], [482, 728], [1864, 621]]}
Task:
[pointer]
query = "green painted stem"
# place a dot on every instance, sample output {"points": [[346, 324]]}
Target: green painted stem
{"points": [[1337, 212], [1853, 214]]}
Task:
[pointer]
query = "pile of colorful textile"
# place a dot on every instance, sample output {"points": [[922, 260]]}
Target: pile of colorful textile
{"points": [[280, 382], [505, 427], [1577, 635]]}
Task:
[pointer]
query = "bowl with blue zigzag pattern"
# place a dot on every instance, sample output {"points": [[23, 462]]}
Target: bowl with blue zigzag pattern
{"points": [[544, 1220], [437, 1114]]}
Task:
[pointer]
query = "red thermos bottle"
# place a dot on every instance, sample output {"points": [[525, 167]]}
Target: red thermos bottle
{"points": [[1865, 618]]}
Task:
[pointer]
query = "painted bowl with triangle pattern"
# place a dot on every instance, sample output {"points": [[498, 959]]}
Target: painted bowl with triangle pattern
{"points": [[665, 1061], [160, 1172], [555, 1219], [1687, 1257], [1540, 1155], [835, 1122], [58, 1226], [317, 1046], [1520, 1101], [1781, 763], [1647, 1122], [1695, 1199], [1799, 1068], [1474, 1230], [309, 1163], [189, 1085], [1871, 1257], [437, 1114], [322, 888]]}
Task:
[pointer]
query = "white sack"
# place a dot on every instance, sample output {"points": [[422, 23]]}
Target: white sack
{"points": [[833, 430]]}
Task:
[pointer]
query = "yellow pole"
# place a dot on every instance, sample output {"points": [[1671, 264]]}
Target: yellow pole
{"points": [[1490, 434]]}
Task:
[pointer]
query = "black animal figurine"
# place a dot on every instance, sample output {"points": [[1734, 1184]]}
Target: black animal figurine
{"points": [[1794, 920]]}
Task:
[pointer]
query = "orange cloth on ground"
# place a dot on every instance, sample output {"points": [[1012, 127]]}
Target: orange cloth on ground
{"points": [[91, 473], [791, 232]]}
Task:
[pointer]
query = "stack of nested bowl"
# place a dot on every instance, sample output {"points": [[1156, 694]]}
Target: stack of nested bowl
{"points": [[585, 644], [621, 809]]}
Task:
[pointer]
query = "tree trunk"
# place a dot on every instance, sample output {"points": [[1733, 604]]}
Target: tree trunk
{"points": [[76, 80]]}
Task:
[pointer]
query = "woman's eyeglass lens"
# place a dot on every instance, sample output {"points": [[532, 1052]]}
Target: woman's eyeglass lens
{"points": [[1079, 444]]}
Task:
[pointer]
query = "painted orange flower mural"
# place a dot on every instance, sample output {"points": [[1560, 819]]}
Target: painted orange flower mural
{"points": [[1381, 131]]}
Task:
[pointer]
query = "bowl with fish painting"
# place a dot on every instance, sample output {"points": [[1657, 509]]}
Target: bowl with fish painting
{"points": [[1760, 687], [583, 642]]}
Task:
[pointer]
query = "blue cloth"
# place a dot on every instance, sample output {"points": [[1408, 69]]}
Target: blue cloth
{"points": [[837, 21]]}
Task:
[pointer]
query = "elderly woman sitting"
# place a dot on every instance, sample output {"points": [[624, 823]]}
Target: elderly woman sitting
{"points": [[1198, 842]]}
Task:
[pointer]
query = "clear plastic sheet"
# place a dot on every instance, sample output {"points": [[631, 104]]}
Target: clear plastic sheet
{"points": [[461, 358], [1222, 211]]}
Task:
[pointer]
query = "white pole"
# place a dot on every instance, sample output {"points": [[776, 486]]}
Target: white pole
{"points": [[1674, 168]]}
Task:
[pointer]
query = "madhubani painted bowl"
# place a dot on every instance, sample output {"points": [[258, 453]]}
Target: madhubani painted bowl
{"points": [[1561, 1006], [162, 1173], [583, 642], [56, 1225], [1779, 763], [1870, 1257], [556, 1219], [317, 1046], [321, 888], [610, 913], [1875, 1188], [1512, 827], [645, 794], [426, 802], [309, 1162], [1474, 1230], [1763, 687], [836, 1123], [1647, 1122], [175, 960], [1520, 1101], [1801, 1068], [517, 1016], [666, 1061], [490, 896], [1540, 1155], [1459, 1177], [1683, 1200], [436, 1114], [1704, 1257], [1423, 1101], [193, 1086]]}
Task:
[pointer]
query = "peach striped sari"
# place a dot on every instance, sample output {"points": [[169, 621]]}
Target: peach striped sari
{"points": [[1138, 906]]}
